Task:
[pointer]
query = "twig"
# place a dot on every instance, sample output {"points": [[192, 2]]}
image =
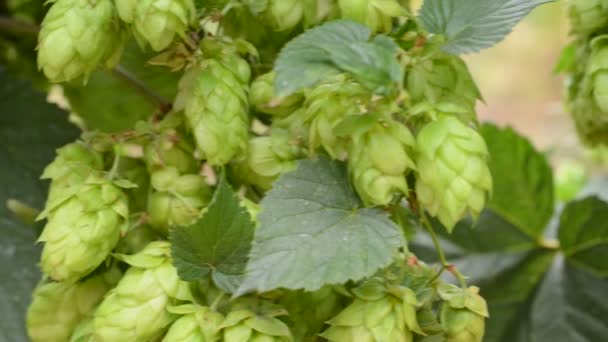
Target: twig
{"points": [[18, 26], [125, 75]]}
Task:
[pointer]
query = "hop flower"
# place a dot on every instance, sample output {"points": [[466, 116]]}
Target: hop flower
{"points": [[376, 14], [177, 200], [273, 155], [84, 331], [462, 314], [262, 97], [283, 15], [82, 228], [77, 36], [378, 161], [326, 107], [198, 324], [587, 16], [136, 309], [377, 315], [214, 96], [453, 177], [254, 320], [57, 308]]}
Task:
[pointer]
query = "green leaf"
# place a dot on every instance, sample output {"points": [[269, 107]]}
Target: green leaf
{"points": [[108, 103], [571, 305], [523, 181], [30, 131], [583, 234], [338, 46], [313, 232], [218, 243], [473, 25]]}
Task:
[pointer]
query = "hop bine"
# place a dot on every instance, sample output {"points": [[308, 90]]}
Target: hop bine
{"points": [[453, 177], [77, 36]]}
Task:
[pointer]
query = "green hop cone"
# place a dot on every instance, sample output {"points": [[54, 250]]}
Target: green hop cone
{"points": [[137, 308], [273, 155], [58, 307], [378, 161], [177, 199], [283, 15], [197, 324], [453, 177], [84, 331], [214, 96], [262, 97], [326, 106], [462, 314], [597, 71], [588, 16], [254, 321], [77, 36], [82, 229], [376, 315], [376, 14]]}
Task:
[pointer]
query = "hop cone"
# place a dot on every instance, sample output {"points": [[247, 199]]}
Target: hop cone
{"points": [[197, 324], [376, 14], [262, 97], [84, 331], [136, 309], [76, 36], [462, 314], [273, 155], [326, 107], [378, 161], [177, 199], [254, 321], [57, 308], [170, 150], [215, 99], [158, 22], [453, 177], [376, 316], [588, 16], [283, 15], [82, 228]]}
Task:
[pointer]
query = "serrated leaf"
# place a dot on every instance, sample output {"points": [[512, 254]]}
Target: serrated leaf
{"points": [[338, 46], [583, 234], [473, 25], [523, 181], [30, 131], [313, 232], [218, 243]]}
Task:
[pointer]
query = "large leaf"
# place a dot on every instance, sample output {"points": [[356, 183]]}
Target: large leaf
{"points": [[523, 181], [473, 25], [313, 232], [218, 243], [30, 130], [110, 103]]}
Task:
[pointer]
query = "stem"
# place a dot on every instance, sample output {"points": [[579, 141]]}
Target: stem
{"points": [[217, 300], [115, 165], [18, 26], [155, 99], [445, 265]]}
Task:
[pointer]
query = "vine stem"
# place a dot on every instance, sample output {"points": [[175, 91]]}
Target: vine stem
{"points": [[155, 99], [115, 165], [445, 265]]}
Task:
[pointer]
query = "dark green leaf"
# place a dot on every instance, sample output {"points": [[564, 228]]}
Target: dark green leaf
{"points": [[109, 103], [218, 243], [583, 234], [473, 25], [30, 131], [523, 181], [313, 232]]}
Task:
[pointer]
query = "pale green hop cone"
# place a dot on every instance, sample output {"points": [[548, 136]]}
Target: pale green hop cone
{"points": [[84, 331], [283, 15], [254, 321], [262, 97], [462, 314], [136, 310], [77, 36], [597, 70], [453, 176], [57, 307], [82, 229], [376, 14], [378, 161], [588, 16], [197, 324], [273, 155], [159, 22]]}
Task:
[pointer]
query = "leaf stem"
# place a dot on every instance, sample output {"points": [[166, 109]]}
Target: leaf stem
{"points": [[155, 99], [445, 265], [18, 26], [217, 300], [115, 164]]}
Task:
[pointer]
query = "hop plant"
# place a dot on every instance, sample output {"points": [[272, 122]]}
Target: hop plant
{"points": [[453, 177], [273, 155], [283, 15], [58, 307], [376, 315], [137, 308], [378, 161], [254, 320], [77, 36], [462, 314], [84, 331], [82, 229], [214, 96], [197, 324], [377, 14], [262, 97], [588, 16]]}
